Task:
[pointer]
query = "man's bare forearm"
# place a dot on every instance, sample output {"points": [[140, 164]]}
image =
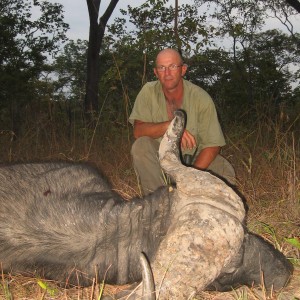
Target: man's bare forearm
{"points": [[206, 156], [153, 130]]}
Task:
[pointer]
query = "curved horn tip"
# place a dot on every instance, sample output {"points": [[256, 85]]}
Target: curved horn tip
{"points": [[148, 280], [180, 113], [177, 125]]}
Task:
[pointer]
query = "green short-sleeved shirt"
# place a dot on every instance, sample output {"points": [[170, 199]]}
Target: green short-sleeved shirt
{"points": [[202, 119]]}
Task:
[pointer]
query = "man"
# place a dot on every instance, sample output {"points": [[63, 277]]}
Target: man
{"points": [[152, 112]]}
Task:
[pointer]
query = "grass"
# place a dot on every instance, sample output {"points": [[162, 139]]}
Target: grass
{"points": [[268, 172]]}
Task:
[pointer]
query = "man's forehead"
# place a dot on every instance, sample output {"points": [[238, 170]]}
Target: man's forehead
{"points": [[168, 56]]}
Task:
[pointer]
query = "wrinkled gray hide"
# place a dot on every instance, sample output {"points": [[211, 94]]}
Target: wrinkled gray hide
{"points": [[62, 221]]}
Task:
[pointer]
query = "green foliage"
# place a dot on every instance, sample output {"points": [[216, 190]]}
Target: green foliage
{"points": [[70, 70], [51, 291], [294, 242], [26, 43], [6, 292], [152, 27], [245, 69], [254, 70]]}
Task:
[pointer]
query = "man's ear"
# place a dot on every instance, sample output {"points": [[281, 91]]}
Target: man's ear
{"points": [[155, 72], [184, 69]]}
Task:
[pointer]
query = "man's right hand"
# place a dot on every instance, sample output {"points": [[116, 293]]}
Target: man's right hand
{"points": [[188, 141]]}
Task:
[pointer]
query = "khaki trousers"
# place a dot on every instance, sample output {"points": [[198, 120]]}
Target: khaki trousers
{"points": [[144, 153]]}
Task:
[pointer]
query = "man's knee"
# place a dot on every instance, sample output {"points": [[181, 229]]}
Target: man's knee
{"points": [[144, 145], [223, 168], [144, 153]]}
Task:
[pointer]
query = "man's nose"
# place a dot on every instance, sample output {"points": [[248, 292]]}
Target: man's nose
{"points": [[167, 71]]}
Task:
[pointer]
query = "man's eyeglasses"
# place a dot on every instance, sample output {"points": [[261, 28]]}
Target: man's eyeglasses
{"points": [[171, 68]]}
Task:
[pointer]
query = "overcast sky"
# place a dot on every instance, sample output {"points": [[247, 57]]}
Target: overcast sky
{"points": [[76, 15]]}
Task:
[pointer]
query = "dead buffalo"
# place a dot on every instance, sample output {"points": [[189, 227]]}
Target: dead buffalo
{"points": [[62, 221]]}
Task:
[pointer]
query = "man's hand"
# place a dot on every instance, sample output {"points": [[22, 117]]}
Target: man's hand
{"points": [[188, 141]]}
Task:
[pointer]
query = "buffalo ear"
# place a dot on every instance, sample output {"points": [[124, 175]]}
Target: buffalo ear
{"points": [[256, 261], [263, 262]]}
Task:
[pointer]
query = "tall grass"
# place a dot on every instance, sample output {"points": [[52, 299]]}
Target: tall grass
{"points": [[265, 154]]}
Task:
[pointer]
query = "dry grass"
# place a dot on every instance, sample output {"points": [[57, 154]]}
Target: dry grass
{"points": [[268, 177]]}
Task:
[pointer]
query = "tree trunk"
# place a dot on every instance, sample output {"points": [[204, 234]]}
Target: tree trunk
{"points": [[93, 62], [178, 41]]}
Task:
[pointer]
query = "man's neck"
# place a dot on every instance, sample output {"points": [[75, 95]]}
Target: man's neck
{"points": [[174, 100], [175, 95]]}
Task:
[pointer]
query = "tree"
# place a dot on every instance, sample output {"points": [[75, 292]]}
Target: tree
{"points": [[151, 29], [249, 65], [272, 55], [70, 69], [295, 4], [70, 79], [94, 45], [282, 11], [26, 44]]}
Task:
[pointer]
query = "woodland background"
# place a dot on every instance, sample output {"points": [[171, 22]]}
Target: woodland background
{"points": [[251, 71]]}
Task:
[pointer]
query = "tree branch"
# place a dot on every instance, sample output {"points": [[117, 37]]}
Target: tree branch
{"points": [[295, 4], [105, 17]]}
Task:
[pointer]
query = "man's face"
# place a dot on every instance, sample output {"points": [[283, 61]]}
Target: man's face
{"points": [[170, 76]]}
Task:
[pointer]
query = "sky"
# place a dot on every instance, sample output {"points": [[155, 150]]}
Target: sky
{"points": [[76, 15]]}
